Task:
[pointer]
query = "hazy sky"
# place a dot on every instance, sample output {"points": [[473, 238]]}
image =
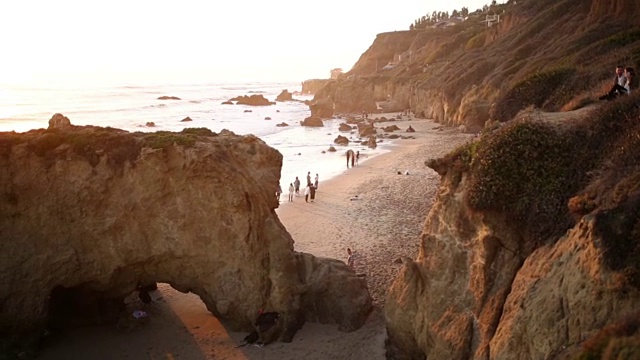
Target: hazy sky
{"points": [[186, 41]]}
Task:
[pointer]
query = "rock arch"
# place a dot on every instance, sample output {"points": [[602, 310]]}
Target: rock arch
{"points": [[99, 210]]}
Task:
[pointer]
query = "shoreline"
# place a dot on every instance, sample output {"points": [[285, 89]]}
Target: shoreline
{"points": [[382, 226]]}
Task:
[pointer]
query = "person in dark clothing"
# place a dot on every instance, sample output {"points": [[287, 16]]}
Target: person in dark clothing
{"points": [[312, 192], [349, 152], [296, 184]]}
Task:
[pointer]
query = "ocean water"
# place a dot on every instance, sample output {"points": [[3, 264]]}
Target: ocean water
{"points": [[130, 107]]}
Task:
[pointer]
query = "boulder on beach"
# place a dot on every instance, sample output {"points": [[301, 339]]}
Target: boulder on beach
{"points": [[341, 140], [282, 124], [410, 129], [186, 119], [331, 149], [285, 95], [391, 128], [344, 127], [169, 98], [59, 121], [366, 129], [312, 121], [372, 143], [253, 100]]}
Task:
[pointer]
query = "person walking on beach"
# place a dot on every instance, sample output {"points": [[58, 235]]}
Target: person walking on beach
{"points": [[296, 185], [312, 192], [308, 178], [307, 191], [351, 259], [357, 156], [353, 158], [278, 192], [315, 183], [350, 157], [291, 190]]}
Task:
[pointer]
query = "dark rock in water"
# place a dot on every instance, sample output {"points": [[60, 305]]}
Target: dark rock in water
{"points": [[391, 128], [341, 140], [323, 152], [267, 118], [331, 149], [169, 98], [285, 95], [277, 110], [253, 100], [227, 103], [366, 130], [344, 127], [372, 143], [410, 129], [59, 121], [312, 121], [186, 119], [248, 111], [282, 124], [393, 136], [150, 124]]}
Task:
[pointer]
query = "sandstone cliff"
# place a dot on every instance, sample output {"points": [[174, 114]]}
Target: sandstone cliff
{"points": [[87, 213], [554, 55], [532, 246]]}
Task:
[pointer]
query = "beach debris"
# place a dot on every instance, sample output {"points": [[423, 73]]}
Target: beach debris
{"points": [[354, 198], [186, 119], [164, 97]]}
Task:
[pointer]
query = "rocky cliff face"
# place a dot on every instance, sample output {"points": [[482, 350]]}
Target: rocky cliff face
{"points": [[87, 213], [470, 73], [483, 287]]}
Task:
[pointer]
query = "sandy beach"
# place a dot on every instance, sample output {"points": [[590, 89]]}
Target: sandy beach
{"points": [[369, 208]]}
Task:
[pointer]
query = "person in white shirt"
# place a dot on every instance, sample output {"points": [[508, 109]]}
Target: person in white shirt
{"points": [[307, 191], [291, 191]]}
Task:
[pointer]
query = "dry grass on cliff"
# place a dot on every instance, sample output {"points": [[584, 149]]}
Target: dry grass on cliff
{"points": [[544, 174], [620, 340]]}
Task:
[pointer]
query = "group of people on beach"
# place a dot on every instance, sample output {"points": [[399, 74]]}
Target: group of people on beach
{"points": [[624, 83], [294, 189], [352, 157]]}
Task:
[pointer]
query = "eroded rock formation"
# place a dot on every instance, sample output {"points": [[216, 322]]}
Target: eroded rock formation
{"points": [[504, 270], [87, 213]]}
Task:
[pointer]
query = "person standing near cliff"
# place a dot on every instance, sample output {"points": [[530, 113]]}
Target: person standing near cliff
{"points": [[348, 157], [278, 192], [308, 178], [296, 185], [357, 156], [315, 183]]}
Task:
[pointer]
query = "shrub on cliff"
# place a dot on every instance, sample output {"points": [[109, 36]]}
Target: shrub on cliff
{"points": [[525, 171], [534, 90]]}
